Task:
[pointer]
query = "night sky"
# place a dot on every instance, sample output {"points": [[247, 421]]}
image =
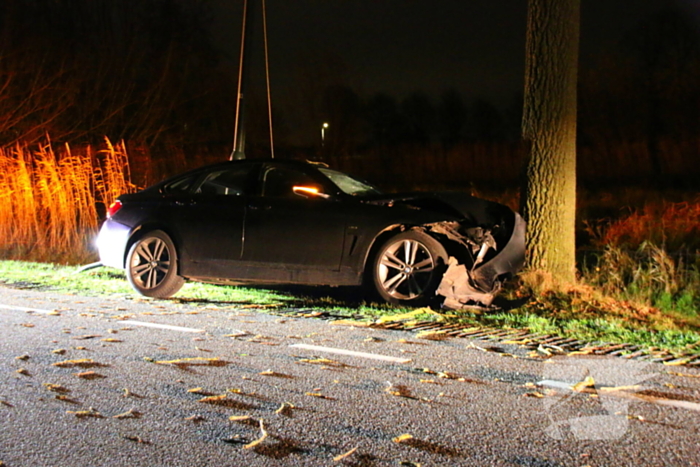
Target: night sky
{"points": [[400, 46]]}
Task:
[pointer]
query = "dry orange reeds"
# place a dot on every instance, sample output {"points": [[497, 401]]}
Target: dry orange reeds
{"points": [[49, 200]]}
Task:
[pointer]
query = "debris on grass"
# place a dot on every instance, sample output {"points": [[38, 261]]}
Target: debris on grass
{"points": [[412, 315]]}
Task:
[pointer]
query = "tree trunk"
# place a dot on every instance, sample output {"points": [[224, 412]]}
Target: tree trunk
{"points": [[549, 128]]}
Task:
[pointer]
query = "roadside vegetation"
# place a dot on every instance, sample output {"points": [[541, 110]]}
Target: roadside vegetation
{"points": [[639, 272]]}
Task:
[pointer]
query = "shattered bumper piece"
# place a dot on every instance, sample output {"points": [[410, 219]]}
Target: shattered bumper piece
{"points": [[464, 288]]}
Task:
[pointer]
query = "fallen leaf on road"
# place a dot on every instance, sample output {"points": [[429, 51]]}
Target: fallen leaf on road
{"points": [[429, 381], [89, 375], [213, 399], [275, 374], [131, 413], [193, 361], [81, 362], [284, 408], [85, 413], [111, 339], [22, 371], [536, 394], [343, 456], [432, 335], [197, 391], [263, 435], [620, 388], [195, 418], [64, 398], [402, 438], [56, 387], [447, 375], [319, 395], [86, 336], [323, 361], [136, 439], [5, 403], [59, 351], [399, 390], [587, 384], [237, 334], [22, 357], [239, 418], [27, 325]]}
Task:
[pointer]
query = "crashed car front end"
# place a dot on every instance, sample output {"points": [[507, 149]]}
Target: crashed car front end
{"points": [[488, 246]]}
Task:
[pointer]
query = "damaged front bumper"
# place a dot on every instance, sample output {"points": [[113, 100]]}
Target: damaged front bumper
{"points": [[464, 285]]}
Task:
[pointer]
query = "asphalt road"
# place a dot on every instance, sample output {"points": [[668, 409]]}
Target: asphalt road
{"points": [[84, 382]]}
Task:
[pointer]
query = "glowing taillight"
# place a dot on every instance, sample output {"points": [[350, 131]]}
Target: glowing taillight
{"points": [[113, 208]]}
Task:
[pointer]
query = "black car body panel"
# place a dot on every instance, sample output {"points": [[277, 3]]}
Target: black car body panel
{"points": [[252, 221]]}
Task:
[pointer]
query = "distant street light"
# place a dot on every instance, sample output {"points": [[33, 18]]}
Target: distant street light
{"points": [[323, 134]]}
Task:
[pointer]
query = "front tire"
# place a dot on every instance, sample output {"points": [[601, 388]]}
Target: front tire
{"points": [[151, 266], [408, 268]]}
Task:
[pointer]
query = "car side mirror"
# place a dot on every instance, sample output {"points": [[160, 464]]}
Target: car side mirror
{"points": [[309, 192]]}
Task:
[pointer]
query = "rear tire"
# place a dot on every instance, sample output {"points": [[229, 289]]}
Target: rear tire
{"points": [[151, 266], [408, 268]]}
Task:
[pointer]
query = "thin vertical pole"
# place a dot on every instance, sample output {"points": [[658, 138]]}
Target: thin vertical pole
{"points": [[267, 77], [237, 152]]}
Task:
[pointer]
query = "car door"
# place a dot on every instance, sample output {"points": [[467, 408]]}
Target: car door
{"points": [[210, 221], [289, 230]]}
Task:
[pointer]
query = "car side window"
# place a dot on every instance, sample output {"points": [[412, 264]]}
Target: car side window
{"points": [[227, 182], [180, 186], [279, 181]]}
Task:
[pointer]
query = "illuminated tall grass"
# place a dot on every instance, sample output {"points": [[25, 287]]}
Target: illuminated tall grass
{"points": [[50, 198]]}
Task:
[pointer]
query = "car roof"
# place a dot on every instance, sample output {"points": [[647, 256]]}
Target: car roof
{"points": [[285, 162]]}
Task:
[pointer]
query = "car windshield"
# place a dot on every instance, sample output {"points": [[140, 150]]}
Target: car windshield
{"points": [[348, 184]]}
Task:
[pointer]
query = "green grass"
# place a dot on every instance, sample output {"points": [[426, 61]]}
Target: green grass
{"points": [[572, 315]]}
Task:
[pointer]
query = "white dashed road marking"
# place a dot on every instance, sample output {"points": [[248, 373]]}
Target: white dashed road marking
{"points": [[161, 326], [351, 353], [26, 309]]}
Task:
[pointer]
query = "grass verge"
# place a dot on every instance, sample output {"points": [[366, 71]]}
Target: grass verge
{"points": [[580, 313]]}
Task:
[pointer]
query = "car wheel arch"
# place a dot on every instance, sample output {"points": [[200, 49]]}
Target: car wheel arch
{"points": [[379, 240], [140, 231]]}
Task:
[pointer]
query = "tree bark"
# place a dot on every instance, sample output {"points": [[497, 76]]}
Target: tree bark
{"points": [[549, 128]]}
